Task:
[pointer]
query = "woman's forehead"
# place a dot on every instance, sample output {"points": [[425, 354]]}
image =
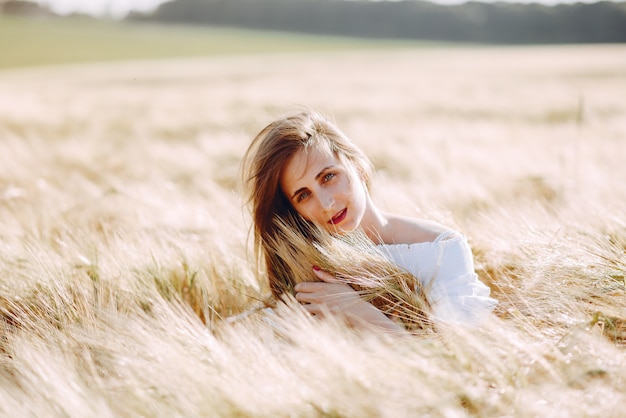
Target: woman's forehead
{"points": [[308, 162]]}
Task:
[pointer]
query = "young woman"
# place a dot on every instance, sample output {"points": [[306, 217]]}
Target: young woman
{"points": [[323, 239]]}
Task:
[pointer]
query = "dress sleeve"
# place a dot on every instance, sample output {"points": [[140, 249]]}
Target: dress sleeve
{"points": [[445, 268], [455, 293]]}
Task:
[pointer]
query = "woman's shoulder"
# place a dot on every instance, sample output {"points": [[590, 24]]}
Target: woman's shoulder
{"points": [[447, 255], [411, 231], [450, 239]]}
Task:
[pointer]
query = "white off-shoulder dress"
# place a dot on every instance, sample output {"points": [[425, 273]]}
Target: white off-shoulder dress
{"points": [[445, 268]]}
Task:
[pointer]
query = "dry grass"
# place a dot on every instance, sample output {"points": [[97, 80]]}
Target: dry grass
{"points": [[124, 243]]}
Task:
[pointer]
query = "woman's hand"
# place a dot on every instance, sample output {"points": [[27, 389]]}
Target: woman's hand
{"points": [[332, 295]]}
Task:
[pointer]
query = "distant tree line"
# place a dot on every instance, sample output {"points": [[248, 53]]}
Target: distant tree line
{"points": [[25, 8], [410, 19]]}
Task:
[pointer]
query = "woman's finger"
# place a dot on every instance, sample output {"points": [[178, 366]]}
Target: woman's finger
{"points": [[310, 287], [307, 297], [313, 309], [325, 276]]}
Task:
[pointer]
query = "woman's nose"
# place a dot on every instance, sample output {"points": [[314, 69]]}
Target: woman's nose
{"points": [[327, 201]]}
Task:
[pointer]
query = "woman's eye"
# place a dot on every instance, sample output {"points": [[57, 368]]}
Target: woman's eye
{"points": [[302, 196], [328, 176]]}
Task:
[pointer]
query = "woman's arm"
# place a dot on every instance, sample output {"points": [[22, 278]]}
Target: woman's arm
{"points": [[331, 295]]}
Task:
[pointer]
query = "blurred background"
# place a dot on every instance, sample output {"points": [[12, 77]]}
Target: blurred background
{"points": [[55, 37], [125, 242]]}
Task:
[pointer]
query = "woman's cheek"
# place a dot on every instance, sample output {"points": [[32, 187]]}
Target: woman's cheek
{"points": [[305, 212]]}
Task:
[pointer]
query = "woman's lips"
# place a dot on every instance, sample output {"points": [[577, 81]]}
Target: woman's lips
{"points": [[339, 217]]}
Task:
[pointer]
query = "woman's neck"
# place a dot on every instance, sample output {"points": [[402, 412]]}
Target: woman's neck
{"points": [[375, 223], [387, 228]]}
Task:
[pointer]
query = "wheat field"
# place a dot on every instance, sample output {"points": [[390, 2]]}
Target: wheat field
{"points": [[128, 284]]}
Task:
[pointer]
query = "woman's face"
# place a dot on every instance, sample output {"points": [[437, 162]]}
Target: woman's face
{"points": [[325, 190]]}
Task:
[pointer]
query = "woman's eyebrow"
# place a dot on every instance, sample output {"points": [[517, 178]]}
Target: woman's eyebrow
{"points": [[322, 171], [297, 192]]}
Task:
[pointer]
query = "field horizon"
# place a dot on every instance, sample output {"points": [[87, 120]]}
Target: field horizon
{"points": [[33, 42], [126, 260]]}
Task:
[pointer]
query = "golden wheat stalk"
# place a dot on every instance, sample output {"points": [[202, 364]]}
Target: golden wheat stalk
{"points": [[354, 259]]}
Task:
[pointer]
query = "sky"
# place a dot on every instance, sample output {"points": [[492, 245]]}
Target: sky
{"points": [[119, 8], [116, 8]]}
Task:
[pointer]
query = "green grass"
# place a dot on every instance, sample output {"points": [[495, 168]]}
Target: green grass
{"points": [[33, 42]]}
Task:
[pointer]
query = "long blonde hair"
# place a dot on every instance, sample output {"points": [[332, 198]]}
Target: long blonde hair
{"points": [[289, 245]]}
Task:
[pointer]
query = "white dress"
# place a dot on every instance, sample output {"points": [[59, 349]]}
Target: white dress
{"points": [[445, 268]]}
